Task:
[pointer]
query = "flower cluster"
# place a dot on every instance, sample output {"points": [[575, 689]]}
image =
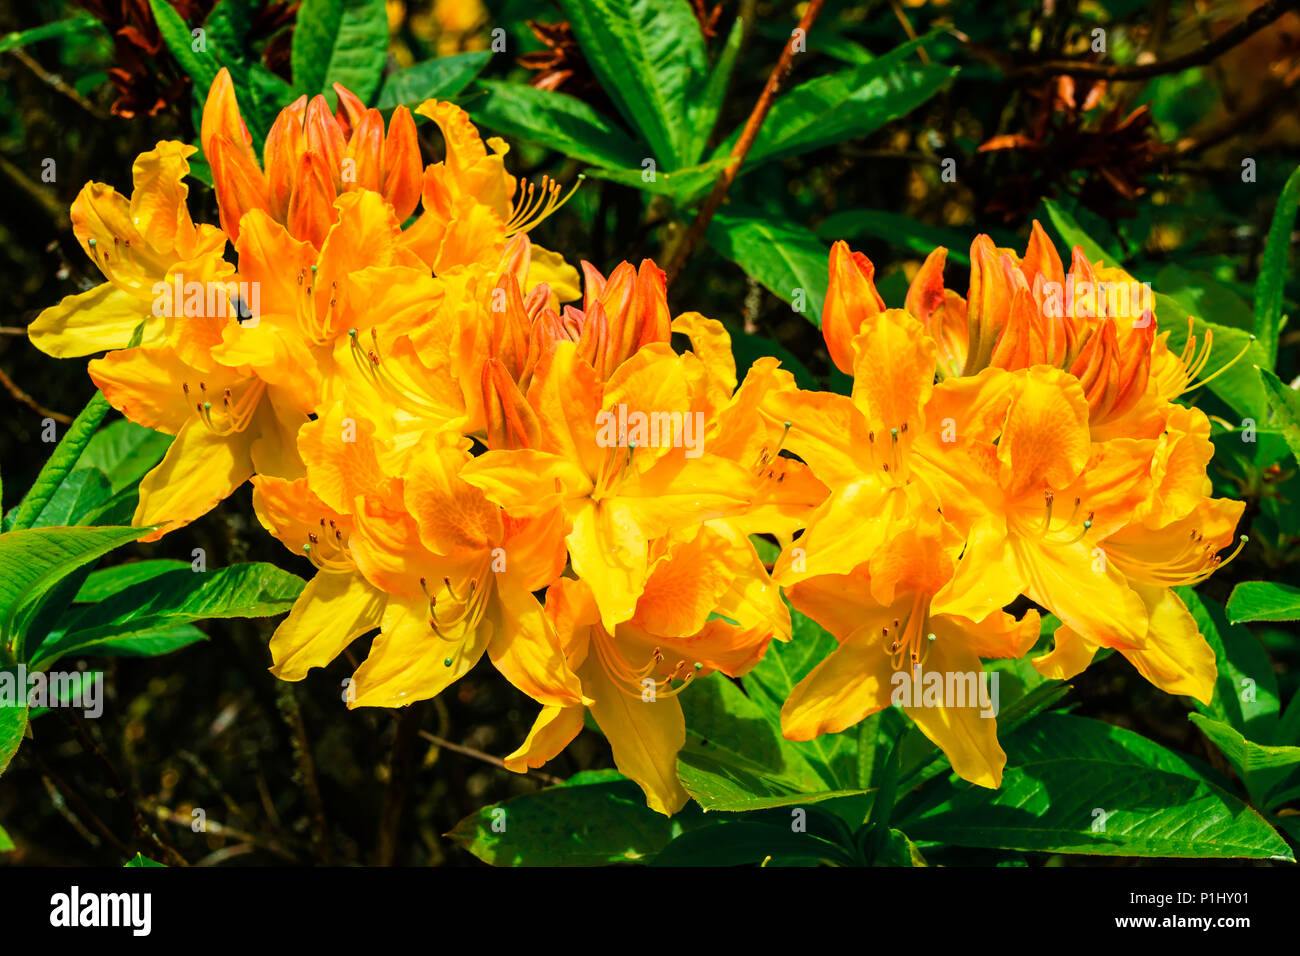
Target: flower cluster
{"points": [[1019, 442], [484, 451]]}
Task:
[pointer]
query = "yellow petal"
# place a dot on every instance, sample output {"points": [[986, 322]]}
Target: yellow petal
{"points": [[644, 735], [275, 450], [550, 267], [525, 482], [1069, 656], [333, 610], [989, 575], [848, 529], [1177, 658], [158, 199], [200, 469], [611, 558], [1086, 591], [968, 735], [551, 733], [409, 662], [95, 321], [1045, 441], [525, 648], [848, 686], [712, 343], [893, 373]]}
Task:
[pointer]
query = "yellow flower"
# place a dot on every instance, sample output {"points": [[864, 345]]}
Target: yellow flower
{"points": [[699, 611], [140, 245], [620, 488], [892, 633], [425, 558]]}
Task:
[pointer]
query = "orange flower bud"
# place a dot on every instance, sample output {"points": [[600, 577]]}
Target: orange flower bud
{"points": [[851, 299]]}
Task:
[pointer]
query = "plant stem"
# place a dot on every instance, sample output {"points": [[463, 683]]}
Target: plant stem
{"points": [[743, 144]]}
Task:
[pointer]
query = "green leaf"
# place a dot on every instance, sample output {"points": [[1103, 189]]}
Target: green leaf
{"points": [[746, 842], [148, 617], [125, 452], [6, 843], [683, 185], [106, 582], [32, 563], [1260, 766], [1245, 691], [1238, 386], [141, 639], [715, 92], [46, 31], [1270, 285], [228, 26], [735, 785], [80, 494], [140, 861], [438, 79], [1073, 234], [1204, 295], [846, 105], [1285, 402], [835, 756], [786, 259], [13, 725], [339, 41], [74, 688], [733, 751], [1263, 601], [586, 825], [900, 851], [61, 461], [649, 57], [557, 121], [1064, 774], [202, 66]]}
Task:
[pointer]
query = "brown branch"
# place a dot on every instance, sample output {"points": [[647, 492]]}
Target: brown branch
{"points": [[907, 28], [166, 814], [53, 80], [292, 714], [1236, 122], [400, 774], [12, 387], [1258, 18], [486, 758], [743, 145], [61, 795], [165, 852]]}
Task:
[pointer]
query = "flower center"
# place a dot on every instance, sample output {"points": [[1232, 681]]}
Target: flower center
{"points": [[637, 681], [909, 639], [328, 548], [534, 205], [230, 415]]}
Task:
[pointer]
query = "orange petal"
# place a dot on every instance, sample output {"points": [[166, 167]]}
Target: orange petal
{"points": [[401, 161], [281, 155], [311, 207], [850, 300]]}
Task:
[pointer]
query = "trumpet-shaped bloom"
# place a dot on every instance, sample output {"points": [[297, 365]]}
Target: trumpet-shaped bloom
{"points": [[229, 422], [619, 488], [426, 559], [138, 244], [893, 631], [699, 611]]}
